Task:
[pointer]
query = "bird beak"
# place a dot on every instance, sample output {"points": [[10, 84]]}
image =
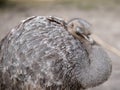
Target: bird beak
{"points": [[88, 38]]}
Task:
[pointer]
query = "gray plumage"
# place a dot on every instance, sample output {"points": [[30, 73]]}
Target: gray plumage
{"points": [[41, 54]]}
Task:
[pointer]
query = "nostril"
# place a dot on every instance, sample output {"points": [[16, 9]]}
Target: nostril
{"points": [[88, 33]]}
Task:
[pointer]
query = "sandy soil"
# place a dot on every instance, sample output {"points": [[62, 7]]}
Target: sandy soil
{"points": [[106, 25]]}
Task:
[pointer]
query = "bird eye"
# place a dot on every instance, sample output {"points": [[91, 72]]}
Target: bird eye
{"points": [[79, 30]]}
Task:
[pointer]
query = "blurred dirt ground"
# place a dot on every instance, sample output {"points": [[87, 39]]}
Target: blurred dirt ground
{"points": [[105, 24]]}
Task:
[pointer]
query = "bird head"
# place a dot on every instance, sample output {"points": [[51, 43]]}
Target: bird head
{"points": [[81, 29]]}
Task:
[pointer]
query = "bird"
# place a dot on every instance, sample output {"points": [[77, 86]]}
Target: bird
{"points": [[48, 53]]}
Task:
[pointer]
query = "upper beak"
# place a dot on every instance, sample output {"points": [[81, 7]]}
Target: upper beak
{"points": [[87, 37]]}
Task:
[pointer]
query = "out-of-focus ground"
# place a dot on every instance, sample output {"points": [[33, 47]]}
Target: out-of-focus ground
{"points": [[104, 15]]}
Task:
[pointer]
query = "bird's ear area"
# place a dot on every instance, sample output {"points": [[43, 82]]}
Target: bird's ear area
{"points": [[71, 25]]}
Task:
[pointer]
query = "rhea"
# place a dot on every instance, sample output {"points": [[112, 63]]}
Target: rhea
{"points": [[47, 53]]}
